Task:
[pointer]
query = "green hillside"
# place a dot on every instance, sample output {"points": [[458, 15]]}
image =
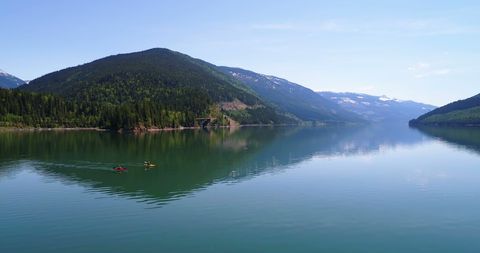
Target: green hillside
{"points": [[460, 113], [138, 87]]}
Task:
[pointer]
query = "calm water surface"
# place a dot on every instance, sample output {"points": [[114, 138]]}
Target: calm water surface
{"points": [[341, 189]]}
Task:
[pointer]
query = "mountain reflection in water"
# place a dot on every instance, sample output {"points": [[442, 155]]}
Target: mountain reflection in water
{"points": [[462, 137], [186, 161]]}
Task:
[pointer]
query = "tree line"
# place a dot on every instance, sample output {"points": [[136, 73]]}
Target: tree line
{"points": [[26, 109]]}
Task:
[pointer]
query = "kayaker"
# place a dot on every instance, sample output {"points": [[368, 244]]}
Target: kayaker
{"points": [[120, 169], [148, 164]]}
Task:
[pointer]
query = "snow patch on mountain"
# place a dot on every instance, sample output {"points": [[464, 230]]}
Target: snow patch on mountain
{"points": [[378, 108], [348, 100], [385, 98], [9, 81]]}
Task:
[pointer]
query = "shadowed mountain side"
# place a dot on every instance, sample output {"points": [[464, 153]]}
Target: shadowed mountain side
{"points": [[8, 81], [291, 98], [187, 160]]}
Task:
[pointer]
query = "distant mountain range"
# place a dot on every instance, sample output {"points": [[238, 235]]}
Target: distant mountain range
{"points": [[378, 108], [8, 81], [291, 98], [460, 113]]}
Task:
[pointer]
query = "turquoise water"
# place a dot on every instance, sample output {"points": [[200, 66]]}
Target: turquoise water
{"points": [[338, 189]]}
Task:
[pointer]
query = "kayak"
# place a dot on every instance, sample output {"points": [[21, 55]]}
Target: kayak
{"points": [[148, 164], [120, 169]]}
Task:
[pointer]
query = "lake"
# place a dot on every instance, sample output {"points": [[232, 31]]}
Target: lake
{"points": [[255, 189]]}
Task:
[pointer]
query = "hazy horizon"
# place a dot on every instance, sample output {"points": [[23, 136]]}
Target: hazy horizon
{"points": [[424, 52]]}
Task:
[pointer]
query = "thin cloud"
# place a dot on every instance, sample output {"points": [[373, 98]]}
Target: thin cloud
{"points": [[367, 88], [277, 27], [410, 27], [433, 27], [423, 70], [324, 26]]}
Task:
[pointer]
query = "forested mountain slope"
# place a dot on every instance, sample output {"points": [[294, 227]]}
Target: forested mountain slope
{"points": [[157, 81], [460, 113]]}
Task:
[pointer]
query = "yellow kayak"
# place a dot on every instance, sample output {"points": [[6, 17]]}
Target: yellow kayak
{"points": [[148, 164]]}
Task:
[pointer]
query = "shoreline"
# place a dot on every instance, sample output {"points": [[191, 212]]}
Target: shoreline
{"points": [[41, 129], [154, 129], [142, 130]]}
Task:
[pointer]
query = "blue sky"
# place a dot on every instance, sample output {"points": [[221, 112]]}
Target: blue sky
{"points": [[427, 51]]}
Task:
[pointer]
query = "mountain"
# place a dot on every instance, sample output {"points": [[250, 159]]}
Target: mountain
{"points": [[378, 108], [9, 81], [460, 113], [291, 98], [182, 87]]}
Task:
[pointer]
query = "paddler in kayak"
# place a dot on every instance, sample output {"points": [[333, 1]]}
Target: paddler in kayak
{"points": [[120, 169], [148, 164]]}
